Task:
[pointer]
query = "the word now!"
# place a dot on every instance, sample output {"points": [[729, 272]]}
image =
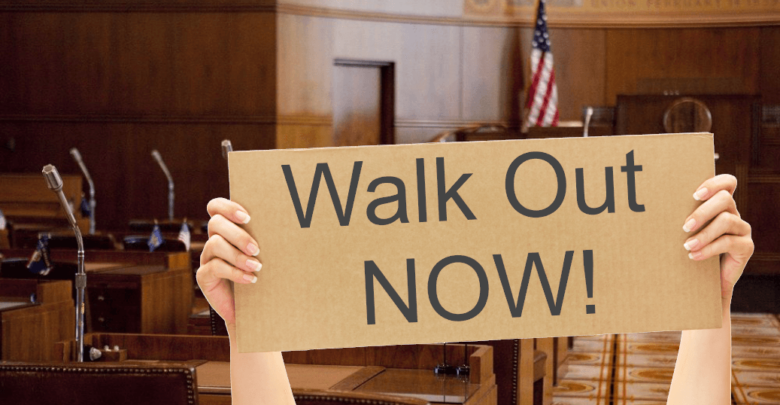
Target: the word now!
{"points": [[445, 194], [409, 311]]}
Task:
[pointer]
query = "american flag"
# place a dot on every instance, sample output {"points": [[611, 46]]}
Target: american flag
{"points": [[542, 99], [184, 235]]}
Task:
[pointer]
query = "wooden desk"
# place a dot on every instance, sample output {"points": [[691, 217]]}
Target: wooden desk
{"points": [[25, 198], [396, 370], [133, 292], [29, 330]]}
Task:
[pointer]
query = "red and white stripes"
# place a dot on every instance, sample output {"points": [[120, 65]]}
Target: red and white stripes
{"points": [[542, 99]]}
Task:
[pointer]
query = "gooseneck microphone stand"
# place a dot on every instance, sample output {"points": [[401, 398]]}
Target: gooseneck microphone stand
{"points": [[77, 157], [54, 182], [586, 125], [226, 147], [158, 158]]}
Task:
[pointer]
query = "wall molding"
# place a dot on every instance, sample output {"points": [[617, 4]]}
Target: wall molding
{"points": [[452, 123], [171, 119], [765, 257], [141, 6], [558, 19], [767, 178], [309, 120]]}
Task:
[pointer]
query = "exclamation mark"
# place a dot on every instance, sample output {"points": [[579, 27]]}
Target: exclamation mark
{"points": [[587, 256]]}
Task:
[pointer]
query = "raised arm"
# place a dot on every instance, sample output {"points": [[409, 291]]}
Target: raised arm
{"points": [[228, 257], [702, 374]]}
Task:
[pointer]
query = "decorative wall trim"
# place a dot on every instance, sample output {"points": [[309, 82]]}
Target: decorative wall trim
{"points": [[765, 257], [452, 123], [172, 119], [557, 19], [141, 6], [764, 178], [304, 120], [770, 140]]}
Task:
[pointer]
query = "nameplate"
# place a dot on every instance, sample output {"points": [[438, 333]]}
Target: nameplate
{"points": [[452, 242]]}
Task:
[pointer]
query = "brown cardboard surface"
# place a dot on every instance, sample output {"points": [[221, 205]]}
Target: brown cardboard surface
{"points": [[312, 290]]}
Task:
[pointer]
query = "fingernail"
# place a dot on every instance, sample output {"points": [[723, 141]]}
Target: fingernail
{"points": [[689, 225], [250, 278], [243, 217], [698, 195], [252, 249], [694, 255], [691, 244], [254, 264]]}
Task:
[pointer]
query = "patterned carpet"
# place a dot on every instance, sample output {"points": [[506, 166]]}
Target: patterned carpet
{"points": [[637, 368]]}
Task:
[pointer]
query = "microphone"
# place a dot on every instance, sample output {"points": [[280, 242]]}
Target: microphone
{"points": [[158, 158], [588, 115], [77, 157], [54, 182], [226, 147]]}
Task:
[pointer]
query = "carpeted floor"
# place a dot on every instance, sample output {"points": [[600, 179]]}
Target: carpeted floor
{"points": [[637, 368]]}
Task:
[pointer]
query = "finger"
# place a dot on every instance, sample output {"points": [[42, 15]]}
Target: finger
{"points": [[237, 237], [712, 186], [216, 270], [720, 202], [218, 247], [228, 209], [725, 223], [736, 246]]}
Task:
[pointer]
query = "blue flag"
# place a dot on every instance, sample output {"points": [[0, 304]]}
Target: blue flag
{"points": [[40, 263], [85, 209], [184, 235], [155, 239]]}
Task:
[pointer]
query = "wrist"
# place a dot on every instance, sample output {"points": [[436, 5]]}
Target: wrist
{"points": [[231, 331]]}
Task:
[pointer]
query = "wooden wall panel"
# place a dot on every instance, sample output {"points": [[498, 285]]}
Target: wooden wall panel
{"points": [[492, 74], [137, 63], [764, 218], [580, 69], [427, 63], [290, 136], [118, 84], [305, 66], [769, 148], [128, 182], [770, 64], [721, 60]]}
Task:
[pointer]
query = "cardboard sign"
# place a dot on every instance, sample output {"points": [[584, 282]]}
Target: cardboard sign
{"points": [[403, 244]]}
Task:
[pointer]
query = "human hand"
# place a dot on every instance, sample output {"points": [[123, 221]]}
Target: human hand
{"points": [[227, 256], [727, 235]]}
